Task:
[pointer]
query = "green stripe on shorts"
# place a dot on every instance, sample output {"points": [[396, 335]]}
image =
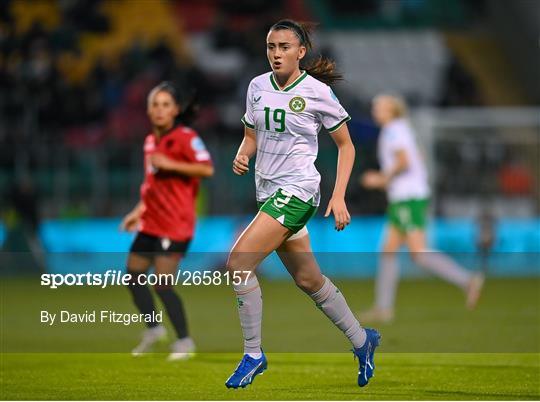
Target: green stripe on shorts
{"points": [[408, 215], [287, 209]]}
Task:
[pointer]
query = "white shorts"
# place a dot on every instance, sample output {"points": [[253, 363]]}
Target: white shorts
{"points": [[301, 233]]}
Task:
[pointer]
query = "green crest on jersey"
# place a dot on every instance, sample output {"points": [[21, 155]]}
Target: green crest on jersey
{"points": [[297, 104]]}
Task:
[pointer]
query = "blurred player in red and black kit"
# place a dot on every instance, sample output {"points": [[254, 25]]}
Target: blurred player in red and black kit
{"points": [[175, 159]]}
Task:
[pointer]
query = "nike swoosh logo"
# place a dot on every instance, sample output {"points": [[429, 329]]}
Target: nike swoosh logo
{"points": [[255, 100], [365, 371], [250, 374]]}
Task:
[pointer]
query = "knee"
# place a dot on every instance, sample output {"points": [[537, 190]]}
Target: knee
{"points": [[388, 256], [232, 262], [134, 281], [236, 260], [234, 268], [162, 289], [418, 257], [309, 284], [241, 265], [389, 249]]}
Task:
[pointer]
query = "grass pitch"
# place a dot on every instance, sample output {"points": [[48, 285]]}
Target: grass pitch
{"points": [[434, 350]]}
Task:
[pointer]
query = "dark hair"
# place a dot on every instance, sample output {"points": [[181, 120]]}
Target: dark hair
{"points": [[189, 108], [322, 68]]}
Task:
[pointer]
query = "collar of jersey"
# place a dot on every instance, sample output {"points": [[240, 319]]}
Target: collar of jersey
{"points": [[290, 86], [174, 127]]}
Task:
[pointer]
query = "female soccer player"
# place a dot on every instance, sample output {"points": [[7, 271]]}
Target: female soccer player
{"points": [[404, 177], [286, 108], [175, 159]]}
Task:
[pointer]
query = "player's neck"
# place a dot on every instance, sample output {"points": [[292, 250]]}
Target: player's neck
{"points": [[390, 121], [284, 81], [161, 131]]}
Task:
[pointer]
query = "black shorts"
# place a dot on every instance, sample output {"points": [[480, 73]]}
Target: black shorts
{"points": [[151, 245]]}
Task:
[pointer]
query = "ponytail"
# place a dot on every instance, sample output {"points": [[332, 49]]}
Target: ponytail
{"points": [[322, 68], [190, 110]]}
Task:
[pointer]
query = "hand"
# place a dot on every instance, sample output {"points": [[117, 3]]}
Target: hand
{"points": [[341, 215], [160, 161], [130, 223], [374, 179], [241, 165]]}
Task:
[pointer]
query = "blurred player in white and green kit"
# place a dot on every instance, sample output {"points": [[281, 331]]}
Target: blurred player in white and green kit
{"points": [[285, 110], [404, 177]]}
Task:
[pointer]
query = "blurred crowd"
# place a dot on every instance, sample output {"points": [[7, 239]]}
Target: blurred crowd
{"points": [[42, 104], [109, 102]]}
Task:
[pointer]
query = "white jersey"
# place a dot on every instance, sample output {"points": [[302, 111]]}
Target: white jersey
{"points": [[286, 123], [413, 182]]}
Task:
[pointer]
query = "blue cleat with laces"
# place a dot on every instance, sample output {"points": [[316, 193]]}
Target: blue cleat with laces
{"points": [[365, 356], [246, 371]]}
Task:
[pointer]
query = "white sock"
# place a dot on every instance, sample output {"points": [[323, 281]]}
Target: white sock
{"points": [[332, 303], [249, 298], [256, 356], [387, 279], [444, 267]]}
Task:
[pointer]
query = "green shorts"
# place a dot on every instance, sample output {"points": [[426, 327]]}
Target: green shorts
{"points": [[408, 215], [287, 209]]}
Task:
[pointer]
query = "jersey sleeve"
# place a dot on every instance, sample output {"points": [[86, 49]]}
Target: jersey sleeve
{"points": [[331, 113], [399, 139], [186, 147], [248, 119], [196, 151]]}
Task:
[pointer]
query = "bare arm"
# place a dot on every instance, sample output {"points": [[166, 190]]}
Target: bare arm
{"points": [[247, 149], [131, 220], [138, 208], [402, 163], [379, 180], [190, 169], [346, 154]]}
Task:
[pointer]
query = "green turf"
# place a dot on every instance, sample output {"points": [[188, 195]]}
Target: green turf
{"points": [[290, 376], [421, 356]]}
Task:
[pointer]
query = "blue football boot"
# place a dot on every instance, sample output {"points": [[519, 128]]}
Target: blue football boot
{"points": [[365, 356], [246, 371]]}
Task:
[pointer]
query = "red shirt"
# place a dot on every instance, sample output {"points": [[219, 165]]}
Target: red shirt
{"points": [[169, 198]]}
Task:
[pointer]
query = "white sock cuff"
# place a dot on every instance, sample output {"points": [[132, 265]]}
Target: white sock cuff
{"points": [[324, 292], [247, 286]]}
